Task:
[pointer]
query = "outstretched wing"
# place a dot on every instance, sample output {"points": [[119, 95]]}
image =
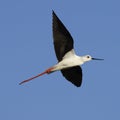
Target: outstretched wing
{"points": [[63, 41], [74, 75]]}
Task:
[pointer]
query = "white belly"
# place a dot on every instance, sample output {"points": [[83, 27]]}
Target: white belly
{"points": [[68, 62]]}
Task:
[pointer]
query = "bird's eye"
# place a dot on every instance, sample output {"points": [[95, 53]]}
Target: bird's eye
{"points": [[88, 56]]}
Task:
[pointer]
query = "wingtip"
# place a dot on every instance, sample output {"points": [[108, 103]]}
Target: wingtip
{"points": [[53, 12]]}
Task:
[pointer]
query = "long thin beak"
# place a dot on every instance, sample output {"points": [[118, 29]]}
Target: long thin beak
{"points": [[97, 59]]}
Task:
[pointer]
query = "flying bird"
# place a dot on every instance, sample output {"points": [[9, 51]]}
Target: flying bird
{"points": [[68, 62]]}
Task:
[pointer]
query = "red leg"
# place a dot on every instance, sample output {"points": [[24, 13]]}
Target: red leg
{"points": [[46, 71]]}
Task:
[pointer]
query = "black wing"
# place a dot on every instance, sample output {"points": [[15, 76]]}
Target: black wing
{"points": [[74, 75], [63, 41]]}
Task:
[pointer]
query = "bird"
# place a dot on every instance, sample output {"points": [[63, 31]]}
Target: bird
{"points": [[68, 62]]}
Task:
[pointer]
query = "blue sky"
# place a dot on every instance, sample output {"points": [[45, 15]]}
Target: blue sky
{"points": [[26, 49]]}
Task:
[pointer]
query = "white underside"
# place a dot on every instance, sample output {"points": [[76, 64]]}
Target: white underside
{"points": [[69, 60]]}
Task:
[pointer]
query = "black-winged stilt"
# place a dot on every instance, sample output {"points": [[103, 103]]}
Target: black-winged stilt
{"points": [[68, 61]]}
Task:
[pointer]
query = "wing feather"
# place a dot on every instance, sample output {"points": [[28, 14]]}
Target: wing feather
{"points": [[63, 41], [74, 75]]}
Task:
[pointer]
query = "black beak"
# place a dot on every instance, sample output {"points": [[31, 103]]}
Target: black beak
{"points": [[97, 59]]}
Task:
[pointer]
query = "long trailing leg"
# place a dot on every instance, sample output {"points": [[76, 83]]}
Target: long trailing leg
{"points": [[48, 71]]}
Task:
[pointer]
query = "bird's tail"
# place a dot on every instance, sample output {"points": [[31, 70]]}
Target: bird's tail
{"points": [[49, 70]]}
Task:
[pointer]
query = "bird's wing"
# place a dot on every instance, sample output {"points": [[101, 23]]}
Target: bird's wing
{"points": [[74, 75], [63, 41]]}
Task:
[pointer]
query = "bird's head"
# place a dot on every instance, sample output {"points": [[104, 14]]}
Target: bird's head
{"points": [[88, 58]]}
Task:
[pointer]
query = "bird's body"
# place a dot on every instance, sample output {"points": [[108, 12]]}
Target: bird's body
{"points": [[68, 61]]}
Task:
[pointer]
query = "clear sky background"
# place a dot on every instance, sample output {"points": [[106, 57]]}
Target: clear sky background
{"points": [[26, 49]]}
